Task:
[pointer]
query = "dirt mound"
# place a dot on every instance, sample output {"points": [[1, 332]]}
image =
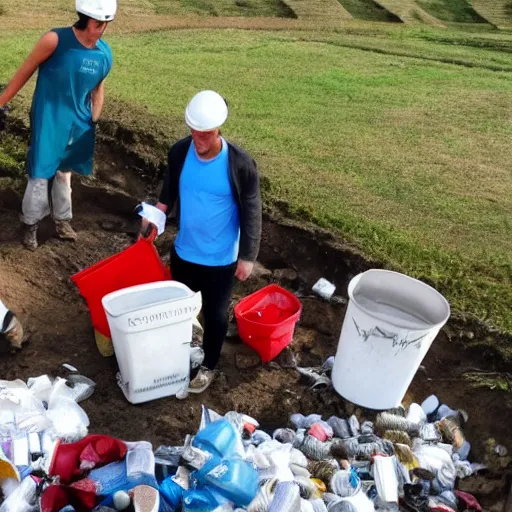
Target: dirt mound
{"points": [[38, 287]]}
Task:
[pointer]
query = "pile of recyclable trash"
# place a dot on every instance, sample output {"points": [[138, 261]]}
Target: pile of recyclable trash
{"points": [[403, 460]]}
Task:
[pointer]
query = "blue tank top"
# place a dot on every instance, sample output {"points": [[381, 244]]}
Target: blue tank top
{"points": [[63, 135]]}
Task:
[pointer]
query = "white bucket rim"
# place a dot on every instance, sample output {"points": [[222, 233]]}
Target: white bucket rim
{"points": [[355, 280], [141, 287]]}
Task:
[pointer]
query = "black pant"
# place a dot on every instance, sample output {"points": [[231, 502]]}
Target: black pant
{"points": [[216, 287]]}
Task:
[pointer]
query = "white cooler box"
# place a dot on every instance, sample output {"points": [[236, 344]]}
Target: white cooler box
{"points": [[151, 328]]}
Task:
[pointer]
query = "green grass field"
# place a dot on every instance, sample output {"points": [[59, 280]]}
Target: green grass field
{"points": [[396, 138]]}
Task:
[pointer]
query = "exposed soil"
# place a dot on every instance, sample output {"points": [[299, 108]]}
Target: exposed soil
{"points": [[38, 287]]}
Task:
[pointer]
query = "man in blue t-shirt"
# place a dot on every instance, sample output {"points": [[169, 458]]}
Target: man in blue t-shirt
{"points": [[215, 188]]}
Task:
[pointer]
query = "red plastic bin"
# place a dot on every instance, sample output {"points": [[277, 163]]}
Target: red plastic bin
{"points": [[266, 320], [139, 264]]}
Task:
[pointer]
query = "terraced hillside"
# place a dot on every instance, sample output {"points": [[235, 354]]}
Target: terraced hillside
{"points": [[409, 12], [368, 10], [456, 11], [496, 12], [269, 8], [318, 9]]}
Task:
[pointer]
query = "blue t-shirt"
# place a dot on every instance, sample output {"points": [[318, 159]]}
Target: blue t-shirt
{"points": [[209, 223]]}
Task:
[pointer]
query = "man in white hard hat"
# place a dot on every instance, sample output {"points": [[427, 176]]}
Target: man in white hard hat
{"points": [[215, 188], [72, 65]]}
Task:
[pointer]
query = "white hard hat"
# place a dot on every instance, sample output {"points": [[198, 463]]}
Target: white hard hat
{"points": [[101, 10], [206, 111]]}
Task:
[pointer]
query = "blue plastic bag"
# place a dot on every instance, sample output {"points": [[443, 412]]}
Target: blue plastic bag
{"points": [[171, 492]]}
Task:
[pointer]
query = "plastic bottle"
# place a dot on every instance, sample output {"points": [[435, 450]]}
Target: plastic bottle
{"points": [[235, 479], [220, 439], [200, 500]]}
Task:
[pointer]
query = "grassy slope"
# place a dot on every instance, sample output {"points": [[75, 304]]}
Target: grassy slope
{"points": [[404, 156], [314, 10], [171, 7], [409, 11], [368, 10], [459, 11], [497, 12]]}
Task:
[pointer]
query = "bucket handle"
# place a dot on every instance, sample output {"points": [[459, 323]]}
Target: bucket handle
{"points": [[149, 235]]}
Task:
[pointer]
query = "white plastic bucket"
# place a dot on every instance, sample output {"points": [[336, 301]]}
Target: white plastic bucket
{"points": [[151, 327], [390, 323]]}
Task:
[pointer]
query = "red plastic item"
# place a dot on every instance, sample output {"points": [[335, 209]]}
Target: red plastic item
{"points": [[68, 460], [249, 428], [266, 320], [468, 500], [316, 430], [56, 497], [139, 264]]}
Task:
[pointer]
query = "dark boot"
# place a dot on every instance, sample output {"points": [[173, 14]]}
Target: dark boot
{"points": [[30, 237]]}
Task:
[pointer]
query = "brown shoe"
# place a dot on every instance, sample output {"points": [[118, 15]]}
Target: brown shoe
{"points": [[30, 237], [65, 231], [201, 382], [14, 333]]}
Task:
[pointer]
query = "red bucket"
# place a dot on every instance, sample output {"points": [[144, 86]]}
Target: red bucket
{"points": [[266, 320], [139, 264]]}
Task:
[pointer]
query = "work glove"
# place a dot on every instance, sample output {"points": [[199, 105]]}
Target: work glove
{"points": [[3, 115]]}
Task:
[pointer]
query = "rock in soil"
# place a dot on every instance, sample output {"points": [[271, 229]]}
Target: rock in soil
{"points": [[286, 359], [232, 331], [287, 275], [260, 271], [246, 361]]}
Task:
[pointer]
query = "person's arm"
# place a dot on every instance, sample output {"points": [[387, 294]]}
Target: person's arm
{"points": [[164, 199], [41, 52], [170, 189], [250, 223], [97, 100]]}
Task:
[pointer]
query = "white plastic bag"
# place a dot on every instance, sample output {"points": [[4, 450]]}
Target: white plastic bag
{"points": [[437, 461], [17, 398], [208, 416], [22, 498], [41, 387], [278, 456], [140, 459], [385, 477], [69, 420]]}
